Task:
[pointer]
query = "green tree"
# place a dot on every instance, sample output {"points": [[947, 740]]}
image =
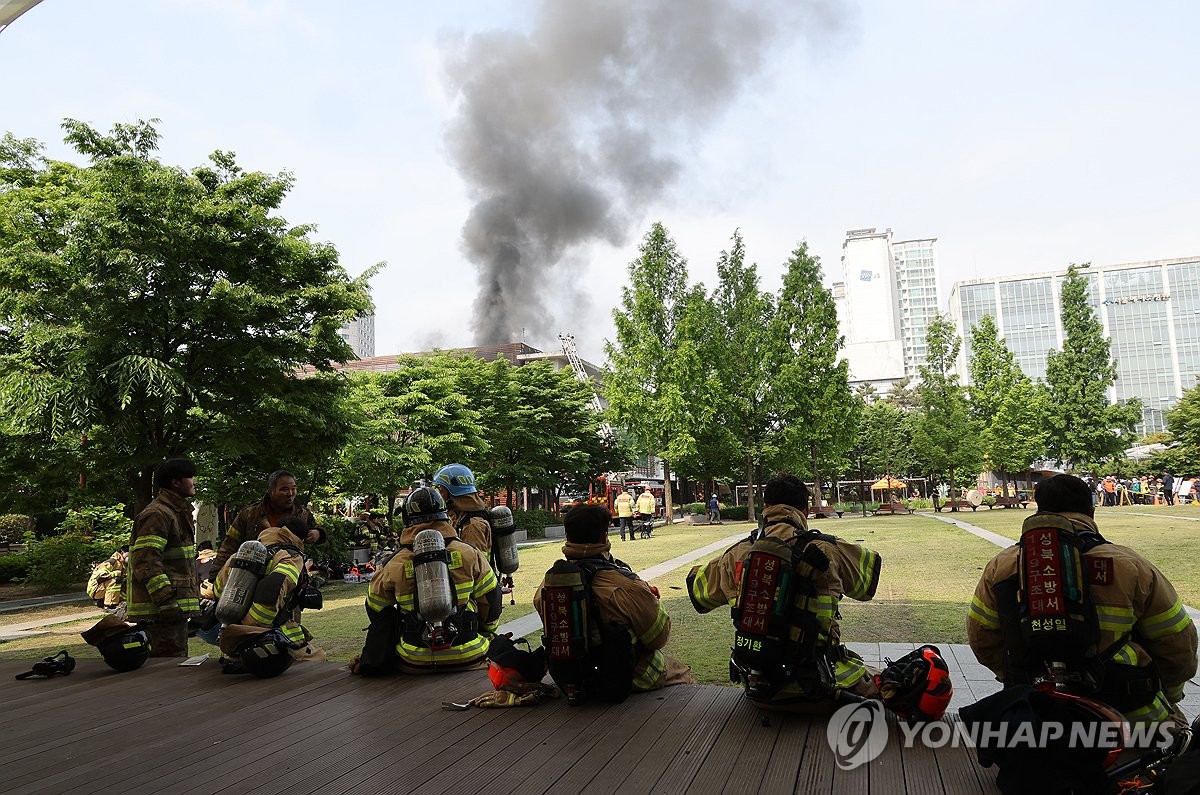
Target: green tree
{"points": [[944, 438], [653, 363], [885, 438], [1006, 406], [1085, 427], [815, 410], [1183, 421], [144, 308], [745, 359]]}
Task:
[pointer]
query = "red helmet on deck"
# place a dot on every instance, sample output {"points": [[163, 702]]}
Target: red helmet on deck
{"points": [[917, 686]]}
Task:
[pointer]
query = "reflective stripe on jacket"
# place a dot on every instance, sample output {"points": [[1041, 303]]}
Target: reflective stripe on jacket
{"points": [[162, 558]]}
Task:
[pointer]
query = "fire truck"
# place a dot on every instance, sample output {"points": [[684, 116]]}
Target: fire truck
{"points": [[606, 488]]}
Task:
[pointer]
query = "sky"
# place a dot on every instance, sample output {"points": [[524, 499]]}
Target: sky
{"points": [[1022, 135]]}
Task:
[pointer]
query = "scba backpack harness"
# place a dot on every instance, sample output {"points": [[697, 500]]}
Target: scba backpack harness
{"points": [[1050, 624], [777, 629], [587, 656]]}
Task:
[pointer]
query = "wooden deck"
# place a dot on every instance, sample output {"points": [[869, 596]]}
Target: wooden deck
{"points": [[165, 728]]}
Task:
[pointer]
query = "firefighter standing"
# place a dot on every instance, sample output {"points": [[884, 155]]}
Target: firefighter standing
{"points": [[625, 600], [468, 514], [475, 592], [161, 589], [107, 581], [851, 570], [1143, 622], [277, 504], [275, 604], [624, 503]]}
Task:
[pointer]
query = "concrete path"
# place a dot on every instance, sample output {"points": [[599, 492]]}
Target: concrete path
{"points": [[14, 605], [28, 629], [1003, 541], [1162, 516]]}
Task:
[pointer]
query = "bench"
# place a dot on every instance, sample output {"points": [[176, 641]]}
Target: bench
{"points": [[953, 505], [892, 508], [1010, 502]]}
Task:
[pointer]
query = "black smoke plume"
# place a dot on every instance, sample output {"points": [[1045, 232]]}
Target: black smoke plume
{"points": [[566, 133]]}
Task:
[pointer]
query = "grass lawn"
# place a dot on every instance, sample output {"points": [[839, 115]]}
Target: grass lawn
{"points": [[930, 570], [1164, 534]]}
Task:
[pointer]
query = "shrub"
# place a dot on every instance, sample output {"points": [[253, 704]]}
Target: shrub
{"points": [[917, 503], [105, 525], [13, 527], [696, 507], [58, 562], [738, 513], [13, 566], [534, 522], [339, 538]]}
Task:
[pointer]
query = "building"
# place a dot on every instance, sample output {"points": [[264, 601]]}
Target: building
{"points": [[887, 296], [1150, 311], [359, 334]]}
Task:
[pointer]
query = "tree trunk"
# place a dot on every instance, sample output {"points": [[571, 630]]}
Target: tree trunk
{"points": [[750, 488], [1004, 481], [667, 508], [816, 500]]}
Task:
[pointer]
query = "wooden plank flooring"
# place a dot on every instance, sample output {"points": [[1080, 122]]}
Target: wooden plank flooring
{"points": [[318, 729]]}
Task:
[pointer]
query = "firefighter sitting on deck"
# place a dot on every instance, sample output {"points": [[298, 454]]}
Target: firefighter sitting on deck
{"points": [[436, 628], [619, 596], [798, 663], [276, 603], [1145, 647], [467, 513]]}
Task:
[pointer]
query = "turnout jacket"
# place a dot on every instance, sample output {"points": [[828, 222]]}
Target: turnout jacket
{"points": [[853, 571], [162, 559], [105, 584], [475, 530], [273, 594], [475, 587], [646, 504], [624, 503], [630, 602], [1132, 598], [251, 521]]}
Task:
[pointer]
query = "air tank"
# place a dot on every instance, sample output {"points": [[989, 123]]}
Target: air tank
{"points": [[246, 568], [435, 597]]}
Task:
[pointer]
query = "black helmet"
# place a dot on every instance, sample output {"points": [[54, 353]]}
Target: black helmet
{"points": [[126, 651], [424, 505], [266, 655]]}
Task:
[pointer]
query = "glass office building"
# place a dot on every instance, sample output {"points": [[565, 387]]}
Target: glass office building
{"points": [[916, 295], [1150, 311]]}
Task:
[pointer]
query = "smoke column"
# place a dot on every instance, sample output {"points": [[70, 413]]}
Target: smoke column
{"points": [[563, 135]]}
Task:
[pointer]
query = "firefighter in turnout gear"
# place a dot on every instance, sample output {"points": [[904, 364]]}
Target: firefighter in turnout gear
{"points": [[277, 504], [108, 579], [622, 598], [161, 590], [459, 640], [276, 601], [468, 514], [812, 665], [1146, 645]]}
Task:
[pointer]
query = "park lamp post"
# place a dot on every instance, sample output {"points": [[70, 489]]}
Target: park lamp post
{"points": [[861, 482]]}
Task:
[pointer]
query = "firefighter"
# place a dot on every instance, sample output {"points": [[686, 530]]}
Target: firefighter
{"points": [[161, 589], [623, 598], [460, 641], [849, 570], [624, 503], [276, 505], [647, 505], [277, 598], [1144, 629], [468, 514], [107, 581]]}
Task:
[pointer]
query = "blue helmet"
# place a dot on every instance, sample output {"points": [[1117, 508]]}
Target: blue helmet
{"points": [[456, 479]]}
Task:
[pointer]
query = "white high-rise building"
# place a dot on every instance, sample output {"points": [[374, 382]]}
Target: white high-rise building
{"points": [[359, 334], [887, 296]]}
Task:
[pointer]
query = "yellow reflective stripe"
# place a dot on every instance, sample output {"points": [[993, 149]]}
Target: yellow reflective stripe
{"points": [[700, 591], [141, 609], [289, 570], [648, 679], [462, 590], [486, 583], [866, 566], [294, 634], [491, 627], [1174, 694], [1126, 655], [262, 614], [983, 615], [421, 656], [1165, 623], [188, 603], [157, 583], [407, 602], [1154, 712], [1117, 620], [377, 602], [656, 628], [847, 672], [149, 542], [177, 553]]}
